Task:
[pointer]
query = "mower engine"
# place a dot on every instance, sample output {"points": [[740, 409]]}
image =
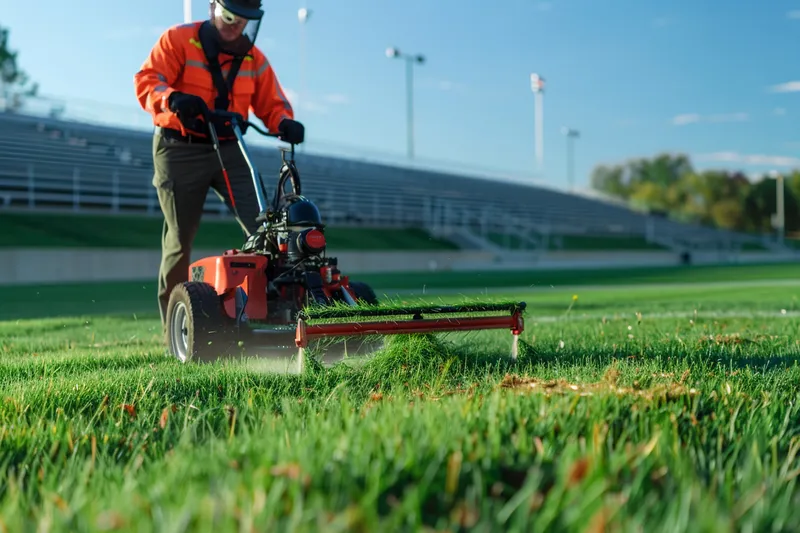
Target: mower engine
{"points": [[298, 273], [300, 236]]}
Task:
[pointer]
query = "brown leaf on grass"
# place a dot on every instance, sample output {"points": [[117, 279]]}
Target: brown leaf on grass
{"points": [[464, 515], [612, 375], [577, 472], [291, 471], [164, 418], [670, 391], [453, 471], [537, 442], [60, 503], [130, 409], [733, 339], [536, 501], [599, 522], [109, 520]]}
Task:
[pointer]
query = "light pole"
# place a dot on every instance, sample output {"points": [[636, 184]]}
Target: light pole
{"points": [[779, 219], [187, 11], [303, 15], [537, 86], [571, 135], [410, 60]]}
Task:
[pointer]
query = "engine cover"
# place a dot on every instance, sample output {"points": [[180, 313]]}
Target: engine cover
{"points": [[306, 243]]}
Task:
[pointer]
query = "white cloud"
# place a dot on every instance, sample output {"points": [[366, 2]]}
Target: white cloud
{"points": [[336, 98], [788, 87], [686, 118], [750, 159], [795, 14], [692, 118], [313, 105]]}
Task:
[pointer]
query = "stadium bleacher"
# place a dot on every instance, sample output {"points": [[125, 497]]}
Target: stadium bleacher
{"points": [[51, 163]]}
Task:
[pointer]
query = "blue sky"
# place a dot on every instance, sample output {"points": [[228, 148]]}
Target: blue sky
{"points": [[719, 80]]}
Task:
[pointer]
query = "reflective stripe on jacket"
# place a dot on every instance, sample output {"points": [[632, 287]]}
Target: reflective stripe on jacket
{"points": [[177, 63]]}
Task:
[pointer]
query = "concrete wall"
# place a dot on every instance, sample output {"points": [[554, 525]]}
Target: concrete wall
{"points": [[18, 266], [67, 265]]}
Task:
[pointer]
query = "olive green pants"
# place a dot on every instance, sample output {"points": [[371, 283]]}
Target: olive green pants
{"points": [[184, 173]]}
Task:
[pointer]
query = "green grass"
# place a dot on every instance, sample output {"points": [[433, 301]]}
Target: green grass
{"points": [[53, 230], [652, 408], [24, 301]]}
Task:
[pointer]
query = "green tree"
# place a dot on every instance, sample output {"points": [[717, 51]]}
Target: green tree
{"points": [[716, 195], [689, 199], [761, 204], [610, 180], [793, 182], [729, 213], [15, 85]]}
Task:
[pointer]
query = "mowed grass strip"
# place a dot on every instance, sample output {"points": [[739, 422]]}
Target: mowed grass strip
{"points": [[619, 419]]}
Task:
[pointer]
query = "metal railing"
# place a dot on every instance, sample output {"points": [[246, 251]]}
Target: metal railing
{"points": [[64, 165]]}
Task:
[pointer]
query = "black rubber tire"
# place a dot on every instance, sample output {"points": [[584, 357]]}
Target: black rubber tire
{"points": [[364, 292], [206, 328]]}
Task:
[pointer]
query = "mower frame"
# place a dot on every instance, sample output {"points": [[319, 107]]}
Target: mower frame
{"points": [[225, 293]]}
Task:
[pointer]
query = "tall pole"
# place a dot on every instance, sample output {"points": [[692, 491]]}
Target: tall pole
{"points": [[780, 215], [187, 11], [781, 212], [410, 60], [410, 107], [302, 16], [571, 135], [537, 86]]}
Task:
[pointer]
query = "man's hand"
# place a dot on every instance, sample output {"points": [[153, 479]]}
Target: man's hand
{"points": [[291, 131], [187, 106]]}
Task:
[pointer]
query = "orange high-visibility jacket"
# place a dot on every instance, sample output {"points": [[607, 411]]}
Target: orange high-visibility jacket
{"points": [[177, 63]]}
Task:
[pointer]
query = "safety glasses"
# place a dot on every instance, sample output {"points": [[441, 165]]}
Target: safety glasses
{"points": [[226, 16]]}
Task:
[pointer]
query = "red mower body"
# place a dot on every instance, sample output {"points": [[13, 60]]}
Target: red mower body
{"points": [[231, 270]]}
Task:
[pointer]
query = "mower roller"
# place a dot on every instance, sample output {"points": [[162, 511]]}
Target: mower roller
{"points": [[281, 295]]}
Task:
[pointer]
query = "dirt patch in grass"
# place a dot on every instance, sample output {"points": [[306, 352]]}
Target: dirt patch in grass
{"points": [[608, 386]]}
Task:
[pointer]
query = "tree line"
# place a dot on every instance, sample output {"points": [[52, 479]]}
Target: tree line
{"points": [[667, 184], [15, 85]]}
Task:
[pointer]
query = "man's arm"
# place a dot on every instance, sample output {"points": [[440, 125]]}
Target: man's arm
{"points": [[153, 82], [270, 104]]}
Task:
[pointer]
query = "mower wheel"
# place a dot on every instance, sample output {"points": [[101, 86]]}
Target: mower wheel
{"points": [[364, 292], [196, 324]]}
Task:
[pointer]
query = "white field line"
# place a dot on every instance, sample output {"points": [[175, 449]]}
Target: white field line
{"points": [[633, 286], [690, 315]]}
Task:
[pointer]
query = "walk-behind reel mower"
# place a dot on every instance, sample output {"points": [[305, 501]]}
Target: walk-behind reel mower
{"points": [[281, 295]]}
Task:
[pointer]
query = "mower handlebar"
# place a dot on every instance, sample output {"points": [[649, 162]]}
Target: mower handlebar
{"points": [[234, 118]]}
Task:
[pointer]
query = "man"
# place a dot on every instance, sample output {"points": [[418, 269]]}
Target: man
{"points": [[178, 83]]}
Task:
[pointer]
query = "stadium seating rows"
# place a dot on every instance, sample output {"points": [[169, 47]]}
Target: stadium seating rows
{"points": [[47, 162]]}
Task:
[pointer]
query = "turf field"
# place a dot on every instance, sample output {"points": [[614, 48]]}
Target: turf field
{"points": [[660, 402], [79, 230]]}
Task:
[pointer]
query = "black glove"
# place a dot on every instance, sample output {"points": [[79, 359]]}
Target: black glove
{"points": [[187, 107], [291, 131]]}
